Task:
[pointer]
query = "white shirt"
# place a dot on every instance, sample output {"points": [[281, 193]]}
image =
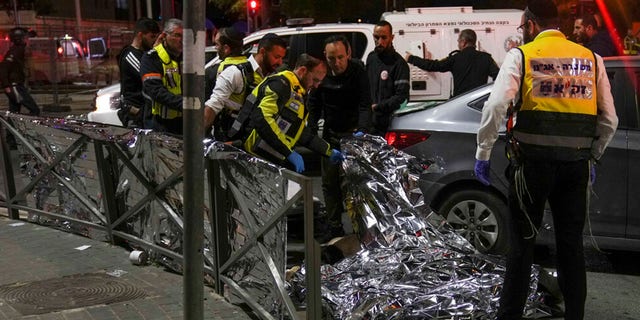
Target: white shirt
{"points": [[228, 82], [506, 89]]}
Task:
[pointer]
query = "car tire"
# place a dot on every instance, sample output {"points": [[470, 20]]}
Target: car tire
{"points": [[480, 217]]}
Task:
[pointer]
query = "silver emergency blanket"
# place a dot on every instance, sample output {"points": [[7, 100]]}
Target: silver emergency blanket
{"points": [[63, 163], [412, 265]]}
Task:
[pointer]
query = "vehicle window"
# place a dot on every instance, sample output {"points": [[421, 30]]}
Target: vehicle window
{"points": [[315, 43], [624, 88], [208, 55], [358, 44], [478, 104]]}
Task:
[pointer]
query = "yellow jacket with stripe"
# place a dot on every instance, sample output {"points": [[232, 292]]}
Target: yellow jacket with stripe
{"points": [[556, 119], [278, 120], [162, 83]]}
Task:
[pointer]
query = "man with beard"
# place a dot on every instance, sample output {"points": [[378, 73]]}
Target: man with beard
{"points": [[161, 72], [565, 120], [132, 102], [234, 84], [589, 34], [388, 76], [278, 119]]}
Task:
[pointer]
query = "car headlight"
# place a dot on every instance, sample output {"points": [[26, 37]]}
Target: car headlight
{"points": [[108, 101]]}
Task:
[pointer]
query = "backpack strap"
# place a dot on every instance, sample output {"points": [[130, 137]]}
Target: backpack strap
{"points": [[241, 123]]}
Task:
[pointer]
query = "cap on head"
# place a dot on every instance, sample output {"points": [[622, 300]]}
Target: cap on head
{"points": [[542, 9], [17, 35]]}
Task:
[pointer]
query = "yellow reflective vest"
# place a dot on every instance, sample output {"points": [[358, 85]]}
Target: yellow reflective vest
{"points": [[556, 119], [283, 117], [172, 80], [245, 67]]}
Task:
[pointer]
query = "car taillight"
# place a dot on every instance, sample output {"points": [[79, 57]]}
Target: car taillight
{"points": [[401, 140]]}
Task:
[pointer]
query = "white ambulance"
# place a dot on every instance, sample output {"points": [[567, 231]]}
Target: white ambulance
{"points": [[432, 33]]}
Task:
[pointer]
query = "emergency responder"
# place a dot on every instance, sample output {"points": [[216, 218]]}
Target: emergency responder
{"points": [[233, 85], [13, 75], [565, 120], [278, 116], [388, 76], [132, 102], [343, 99], [160, 69], [469, 67]]}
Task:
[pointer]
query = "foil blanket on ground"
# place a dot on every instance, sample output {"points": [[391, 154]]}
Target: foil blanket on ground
{"points": [[412, 265], [59, 167]]}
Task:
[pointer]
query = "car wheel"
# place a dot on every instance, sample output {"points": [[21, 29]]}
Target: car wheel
{"points": [[479, 216]]}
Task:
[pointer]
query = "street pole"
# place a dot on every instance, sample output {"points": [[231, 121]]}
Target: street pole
{"points": [[16, 14], [79, 22], [149, 10], [248, 17], [193, 43]]}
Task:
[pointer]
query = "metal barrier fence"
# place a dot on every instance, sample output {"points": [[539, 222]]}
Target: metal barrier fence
{"points": [[113, 183]]}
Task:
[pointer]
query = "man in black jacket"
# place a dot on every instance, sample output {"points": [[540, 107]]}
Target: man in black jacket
{"points": [[388, 76], [597, 39], [470, 68], [131, 108], [12, 74], [344, 100]]}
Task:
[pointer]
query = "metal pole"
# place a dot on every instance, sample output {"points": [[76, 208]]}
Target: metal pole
{"points": [[248, 17], [149, 10], [193, 42], [16, 15], [79, 22]]}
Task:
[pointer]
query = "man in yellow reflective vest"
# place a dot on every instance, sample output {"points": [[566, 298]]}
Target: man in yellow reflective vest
{"points": [[278, 116], [565, 120], [237, 76], [160, 69]]}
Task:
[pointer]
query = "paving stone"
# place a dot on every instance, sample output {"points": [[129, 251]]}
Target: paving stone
{"points": [[33, 252]]}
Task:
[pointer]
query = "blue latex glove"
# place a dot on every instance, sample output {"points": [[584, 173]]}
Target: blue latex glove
{"points": [[359, 134], [482, 169], [296, 159], [336, 156], [593, 174]]}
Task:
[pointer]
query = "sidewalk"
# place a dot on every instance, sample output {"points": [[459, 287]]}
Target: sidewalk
{"points": [[51, 274]]}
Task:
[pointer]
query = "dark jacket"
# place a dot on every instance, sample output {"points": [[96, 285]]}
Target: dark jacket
{"points": [[12, 67], [151, 72], [470, 68], [344, 100], [130, 80], [602, 44], [389, 79]]}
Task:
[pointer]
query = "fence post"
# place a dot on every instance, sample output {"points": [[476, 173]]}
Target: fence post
{"points": [[9, 182]]}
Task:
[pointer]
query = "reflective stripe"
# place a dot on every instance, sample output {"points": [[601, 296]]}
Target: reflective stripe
{"points": [[553, 141], [171, 79], [151, 76]]}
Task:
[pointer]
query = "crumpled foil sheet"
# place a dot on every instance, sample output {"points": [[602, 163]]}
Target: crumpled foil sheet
{"points": [[261, 191], [411, 266], [156, 159], [50, 137]]}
